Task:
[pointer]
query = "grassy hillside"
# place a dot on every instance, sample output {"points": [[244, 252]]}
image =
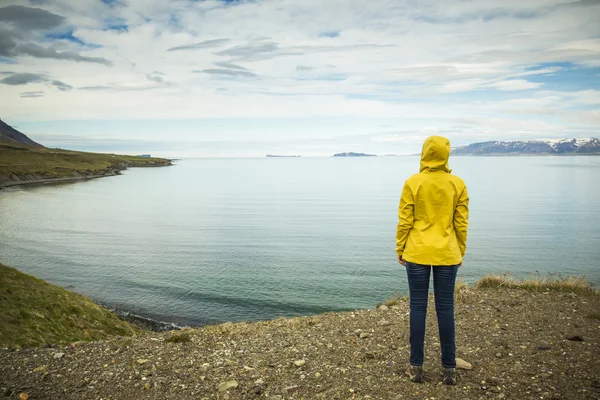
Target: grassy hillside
{"points": [[21, 164], [34, 312]]}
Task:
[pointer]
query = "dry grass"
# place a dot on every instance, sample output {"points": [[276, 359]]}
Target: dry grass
{"points": [[179, 338], [535, 283]]}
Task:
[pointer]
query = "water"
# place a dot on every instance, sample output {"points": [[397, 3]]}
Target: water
{"points": [[211, 240]]}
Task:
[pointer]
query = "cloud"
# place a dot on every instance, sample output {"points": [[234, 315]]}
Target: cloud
{"points": [[32, 94], [515, 84], [155, 78], [529, 66], [229, 65], [207, 44], [27, 18], [330, 34], [20, 28], [17, 79], [227, 72]]}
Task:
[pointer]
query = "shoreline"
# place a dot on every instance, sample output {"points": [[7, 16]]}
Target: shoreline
{"points": [[73, 179], [517, 343]]}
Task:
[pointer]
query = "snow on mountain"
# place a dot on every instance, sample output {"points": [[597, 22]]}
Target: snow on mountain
{"points": [[532, 147]]}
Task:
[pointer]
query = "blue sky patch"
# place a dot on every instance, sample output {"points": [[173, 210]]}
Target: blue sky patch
{"points": [[68, 35], [570, 77]]}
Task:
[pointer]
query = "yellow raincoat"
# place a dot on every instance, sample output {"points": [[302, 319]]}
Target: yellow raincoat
{"points": [[434, 210]]}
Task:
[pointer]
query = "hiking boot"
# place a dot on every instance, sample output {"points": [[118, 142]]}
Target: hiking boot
{"points": [[449, 376], [416, 374]]}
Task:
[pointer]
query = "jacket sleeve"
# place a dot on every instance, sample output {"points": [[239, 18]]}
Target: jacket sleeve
{"points": [[406, 218], [461, 220]]}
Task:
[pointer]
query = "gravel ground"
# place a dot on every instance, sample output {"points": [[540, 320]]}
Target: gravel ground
{"points": [[515, 340]]}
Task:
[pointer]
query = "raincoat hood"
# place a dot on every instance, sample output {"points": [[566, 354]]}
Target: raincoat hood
{"points": [[435, 154]]}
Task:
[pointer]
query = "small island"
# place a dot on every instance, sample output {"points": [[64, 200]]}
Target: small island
{"points": [[351, 154]]}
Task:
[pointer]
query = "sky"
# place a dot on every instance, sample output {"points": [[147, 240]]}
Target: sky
{"points": [[246, 78]]}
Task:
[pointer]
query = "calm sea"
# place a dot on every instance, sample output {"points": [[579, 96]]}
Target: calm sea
{"points": [[211, 240]]}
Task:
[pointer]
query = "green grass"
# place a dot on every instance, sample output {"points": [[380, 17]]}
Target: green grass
{"points": [[34, 312], [571, 284], [28, 163]]}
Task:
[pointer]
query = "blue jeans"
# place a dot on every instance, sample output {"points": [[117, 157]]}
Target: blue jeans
{"points": [[444, 278]]}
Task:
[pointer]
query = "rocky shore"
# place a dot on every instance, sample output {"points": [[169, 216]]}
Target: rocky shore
{"points": [[519, 344], [39, 178]]}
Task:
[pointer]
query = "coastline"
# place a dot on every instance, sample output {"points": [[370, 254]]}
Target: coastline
{"points": [[519, 342], [34, 179]]}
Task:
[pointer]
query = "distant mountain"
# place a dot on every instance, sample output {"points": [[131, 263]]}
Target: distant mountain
{"points": [[353, 155], [10, 135], [532, 147]]}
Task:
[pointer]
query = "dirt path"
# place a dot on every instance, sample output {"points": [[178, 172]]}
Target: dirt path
{"points": [[516, 341]]}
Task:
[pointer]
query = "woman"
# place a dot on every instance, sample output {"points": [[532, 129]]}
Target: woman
{"points": [[432, 235]]}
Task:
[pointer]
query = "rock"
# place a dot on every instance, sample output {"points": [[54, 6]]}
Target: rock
{"points": [[383, 307], [276, 397], [259, 381], [258, 389], [517, 365], [494, 381], [383, 322], [500, 396], [574, 337], [247, 368], [24, 396], [543, 345], [58, 355], [544, 375], [299, 363], [462, 364], [498, 355], [317, 374], [225, 386], [462, 350], [290, 389], [363, 335], [147, 386], [142, 361]]}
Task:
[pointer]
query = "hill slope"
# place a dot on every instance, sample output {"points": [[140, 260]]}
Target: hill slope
{"points": [[10, 135], [34, 312], [532, 147]]}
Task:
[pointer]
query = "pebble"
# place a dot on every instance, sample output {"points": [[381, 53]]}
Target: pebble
{"points": [[383, 307], [500, 396], [276, 397], [299, 363], [494, 381], [575, 337], [225, 386], [258, 389], [142, 361], [363, 335], [259, 381], [543, 345], [59, 355], [462, 350], [383, 322], [498, 355], [462, 364], [290, 389]]}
